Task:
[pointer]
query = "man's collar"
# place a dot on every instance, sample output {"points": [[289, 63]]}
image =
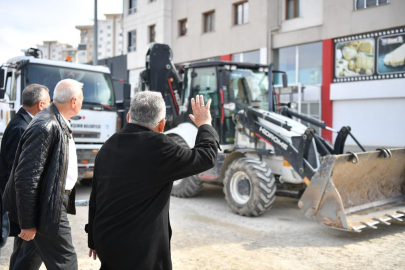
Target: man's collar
{"points": [[132, 128], [30, 114]]}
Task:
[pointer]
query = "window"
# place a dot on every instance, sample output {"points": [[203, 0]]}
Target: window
{"points": [[132, 6], [108, 35], [100, 46], [101, 31], [183, 27], [241, 13], [360, 4], [209, 21], [109, 27], [309, 65], [101, 39], [151, 1], [292, 9], [132, 41], [152, 33]]}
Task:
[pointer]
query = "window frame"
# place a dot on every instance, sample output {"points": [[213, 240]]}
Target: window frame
{"points": [[365, 4], [235, 12], [131, 48], [210, 13], [152, 30], [131, 9], [296, 8], [181, 22]]}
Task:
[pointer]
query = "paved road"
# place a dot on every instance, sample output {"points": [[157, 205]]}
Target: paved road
{"points": [[207, 235]]}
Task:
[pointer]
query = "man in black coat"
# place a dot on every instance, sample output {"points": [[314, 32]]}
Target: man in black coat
{"points": [[35, 98], [39, 193], [129, 226]]}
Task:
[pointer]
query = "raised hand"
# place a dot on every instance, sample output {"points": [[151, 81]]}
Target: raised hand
{"points": [[201, 113]]}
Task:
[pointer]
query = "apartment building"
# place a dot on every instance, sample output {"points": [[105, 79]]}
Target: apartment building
{"points": [[145, 22], [55, 50], [340, 56], [110, 41]]}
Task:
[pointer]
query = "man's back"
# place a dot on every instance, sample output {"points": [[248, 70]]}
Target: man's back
{"points": [[9, 143], [134, 174]]}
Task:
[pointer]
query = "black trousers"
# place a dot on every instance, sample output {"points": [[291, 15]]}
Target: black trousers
{"points": [[56, 253]]}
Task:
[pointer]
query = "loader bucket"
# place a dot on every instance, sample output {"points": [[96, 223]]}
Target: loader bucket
{"points": [[355, 191]]}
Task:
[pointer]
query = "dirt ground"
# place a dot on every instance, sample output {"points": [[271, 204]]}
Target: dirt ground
{"points": [[207, 235]]}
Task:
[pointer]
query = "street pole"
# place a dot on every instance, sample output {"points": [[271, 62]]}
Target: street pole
{"points": [[95, 51]]}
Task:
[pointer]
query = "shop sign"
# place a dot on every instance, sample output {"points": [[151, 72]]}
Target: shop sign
{"points": [[371, 56]]}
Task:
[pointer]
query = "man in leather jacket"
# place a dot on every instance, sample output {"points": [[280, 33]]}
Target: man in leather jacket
{"points": [[39, 194], [35, 98]]}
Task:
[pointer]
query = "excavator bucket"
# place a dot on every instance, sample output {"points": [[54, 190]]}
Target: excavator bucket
{"points": [[356, 191]]}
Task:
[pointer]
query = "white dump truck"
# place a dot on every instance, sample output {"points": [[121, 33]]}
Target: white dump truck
{"points": [[95, 123]]}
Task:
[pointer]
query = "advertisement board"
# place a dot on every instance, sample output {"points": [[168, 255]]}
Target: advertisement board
{"points": [[370, 56]]}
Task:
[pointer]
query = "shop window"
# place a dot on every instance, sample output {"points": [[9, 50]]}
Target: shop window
{"points": [[183, 27], [132, 41], [285, 60], [209, 21], [292, 9], [361, 4], [241, 13], [310, 63]]}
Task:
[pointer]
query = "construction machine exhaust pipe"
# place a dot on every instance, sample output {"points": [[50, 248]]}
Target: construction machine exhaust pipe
{"points": [[355, 191]]}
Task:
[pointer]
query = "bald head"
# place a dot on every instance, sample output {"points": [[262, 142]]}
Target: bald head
{"points": [[66, 90]]}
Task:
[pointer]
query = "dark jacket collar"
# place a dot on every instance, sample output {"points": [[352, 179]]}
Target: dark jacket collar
{"points": [[24, 115], [60, 119], [132, 128]]}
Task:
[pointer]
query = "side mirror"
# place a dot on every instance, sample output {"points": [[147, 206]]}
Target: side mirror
{"points": [[2, 73], [285, 80], [127, 91], [2, 93]]}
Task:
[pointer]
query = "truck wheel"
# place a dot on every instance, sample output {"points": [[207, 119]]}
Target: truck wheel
{"points": [[87, 182], [189, 186], [249, 187]]}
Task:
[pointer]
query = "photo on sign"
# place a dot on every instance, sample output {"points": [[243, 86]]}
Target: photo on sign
{"points": [[354, 58], [391, 54]]}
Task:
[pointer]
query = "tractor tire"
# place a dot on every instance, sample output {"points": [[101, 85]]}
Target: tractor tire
{"points": [[189, 186], [249, 187]]}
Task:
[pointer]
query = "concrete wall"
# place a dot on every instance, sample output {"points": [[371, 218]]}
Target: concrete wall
{"points": [[226, 38], [339, 18]]}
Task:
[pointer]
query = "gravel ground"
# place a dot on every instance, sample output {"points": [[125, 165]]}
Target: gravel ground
{"points": [[207, 235]]}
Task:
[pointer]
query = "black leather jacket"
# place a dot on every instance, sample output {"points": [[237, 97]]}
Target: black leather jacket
{"points": [[34, 192]]}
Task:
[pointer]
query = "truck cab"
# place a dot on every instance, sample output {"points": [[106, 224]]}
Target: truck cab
{"points": [[97, 120]]}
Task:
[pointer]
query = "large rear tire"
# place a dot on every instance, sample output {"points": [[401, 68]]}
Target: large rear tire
{"points": [[189, 186], [249, 187]]}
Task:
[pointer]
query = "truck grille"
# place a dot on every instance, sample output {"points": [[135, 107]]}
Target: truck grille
{"points": [[86, 134], [86, 156]]}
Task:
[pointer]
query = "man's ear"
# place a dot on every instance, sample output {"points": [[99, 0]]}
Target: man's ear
{"points": [[128, 117], [161, 126], [40, 105]]}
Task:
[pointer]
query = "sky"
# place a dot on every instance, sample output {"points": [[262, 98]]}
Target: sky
{"points": [[26, 23]]}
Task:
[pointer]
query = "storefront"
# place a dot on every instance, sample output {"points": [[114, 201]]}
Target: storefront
{"points": [[368, 88]]}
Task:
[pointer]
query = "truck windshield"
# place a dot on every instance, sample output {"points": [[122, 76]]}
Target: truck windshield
{"points": [[97, 86], [249, 86]]}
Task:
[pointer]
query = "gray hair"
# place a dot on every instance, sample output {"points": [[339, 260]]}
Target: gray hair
{"points": [[33, 94], [66, 89], [147, 109]]}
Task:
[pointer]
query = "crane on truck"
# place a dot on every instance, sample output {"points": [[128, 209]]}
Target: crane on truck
{"points": [[97, 120], [267, 152]]}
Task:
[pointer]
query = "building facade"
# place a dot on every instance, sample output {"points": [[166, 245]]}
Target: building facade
{"points": [[110, 41], [333, 52], [145, 22]]}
